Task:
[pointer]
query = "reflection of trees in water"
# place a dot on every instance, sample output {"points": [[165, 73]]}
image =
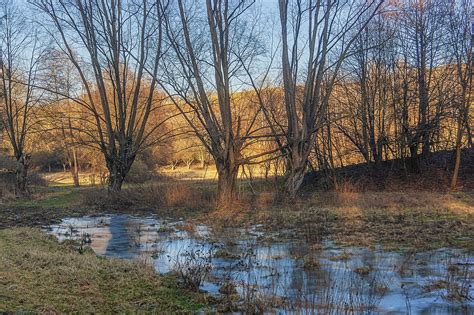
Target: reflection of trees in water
{"points": [[305, 281], [121, 241]]}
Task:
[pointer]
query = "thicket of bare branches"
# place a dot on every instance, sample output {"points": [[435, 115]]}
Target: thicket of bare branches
{"points": [[115, 47], [326, 84], [20, 52]]}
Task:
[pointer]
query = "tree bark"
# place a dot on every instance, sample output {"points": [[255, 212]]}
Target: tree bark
{"points": [[294, 180], [116, 179], [118, 170], [115, 182], [296, 167], [21, 173], [227, 175], [75, 179]]}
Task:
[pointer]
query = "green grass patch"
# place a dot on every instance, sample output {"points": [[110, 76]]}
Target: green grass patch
{"points": [[51, 197], [39, 274], [59, 198]]}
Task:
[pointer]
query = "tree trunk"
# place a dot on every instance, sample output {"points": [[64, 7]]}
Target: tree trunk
{"points": [[297, 168], [202, 159], [423, 99], [21, 174], [75, 177], [414, 158], [189, 163], [74, 168], [294, 181], [115, 181], [118, 170], [227, 175], [457, 163]]}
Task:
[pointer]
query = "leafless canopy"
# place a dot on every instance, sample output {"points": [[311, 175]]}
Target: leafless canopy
{"points": [[212, 47], [120, 45], [20, 52]]}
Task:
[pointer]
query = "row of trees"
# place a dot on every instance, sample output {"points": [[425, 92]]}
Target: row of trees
{"points": [[388, 80]]}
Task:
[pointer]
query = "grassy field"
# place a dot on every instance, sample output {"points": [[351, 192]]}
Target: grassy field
{"points": [[39, 274]]}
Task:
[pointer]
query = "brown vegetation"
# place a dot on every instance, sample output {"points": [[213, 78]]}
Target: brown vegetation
{"points": [[370, 88]]}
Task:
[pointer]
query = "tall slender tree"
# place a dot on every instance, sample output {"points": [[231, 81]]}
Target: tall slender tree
{"points": [[461, 33]]}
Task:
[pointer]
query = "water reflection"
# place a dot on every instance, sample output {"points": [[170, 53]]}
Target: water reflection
{"points": [[119, 241], [300, 277]]}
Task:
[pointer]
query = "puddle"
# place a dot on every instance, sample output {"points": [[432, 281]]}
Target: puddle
{"points": [[287, 276]]}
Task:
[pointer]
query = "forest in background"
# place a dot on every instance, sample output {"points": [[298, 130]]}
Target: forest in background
{"points": [[119, 90]]}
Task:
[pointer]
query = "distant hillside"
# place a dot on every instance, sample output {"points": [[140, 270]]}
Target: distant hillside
{"points": [[433, 174]]}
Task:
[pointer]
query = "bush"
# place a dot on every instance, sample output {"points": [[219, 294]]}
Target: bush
{"points": [[164, 195], [35, 179], [139, 173], [7, 185], [193, 266]]}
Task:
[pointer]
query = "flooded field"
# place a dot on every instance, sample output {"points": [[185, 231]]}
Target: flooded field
{"points": [[254, 271]]}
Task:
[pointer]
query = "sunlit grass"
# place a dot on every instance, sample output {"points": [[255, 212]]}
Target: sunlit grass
{"points": [[39, 274], [57, 198]]}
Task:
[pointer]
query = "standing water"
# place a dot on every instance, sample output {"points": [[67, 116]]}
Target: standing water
{"points": [[286, 276]]}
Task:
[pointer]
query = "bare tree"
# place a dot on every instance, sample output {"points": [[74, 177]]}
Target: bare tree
{"points": [[214, 49], [115, 47], [61, 116], [19, 66], [461, 29], [363, 98], [423, 33], [310, 67]]}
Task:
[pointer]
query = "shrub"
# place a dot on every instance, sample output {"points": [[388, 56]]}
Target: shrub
{"points": [[35, 179], [139, 173], [7, 185]]}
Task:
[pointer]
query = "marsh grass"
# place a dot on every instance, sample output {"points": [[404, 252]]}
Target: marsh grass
{"points": [[397, 220], [193, 266], [457, 281], [37, 274], [167, 196]]}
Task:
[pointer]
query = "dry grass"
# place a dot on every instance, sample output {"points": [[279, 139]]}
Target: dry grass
{"points": [[395, 219], [7, 191], [167, 197], [38, 274], [462, 203]]}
